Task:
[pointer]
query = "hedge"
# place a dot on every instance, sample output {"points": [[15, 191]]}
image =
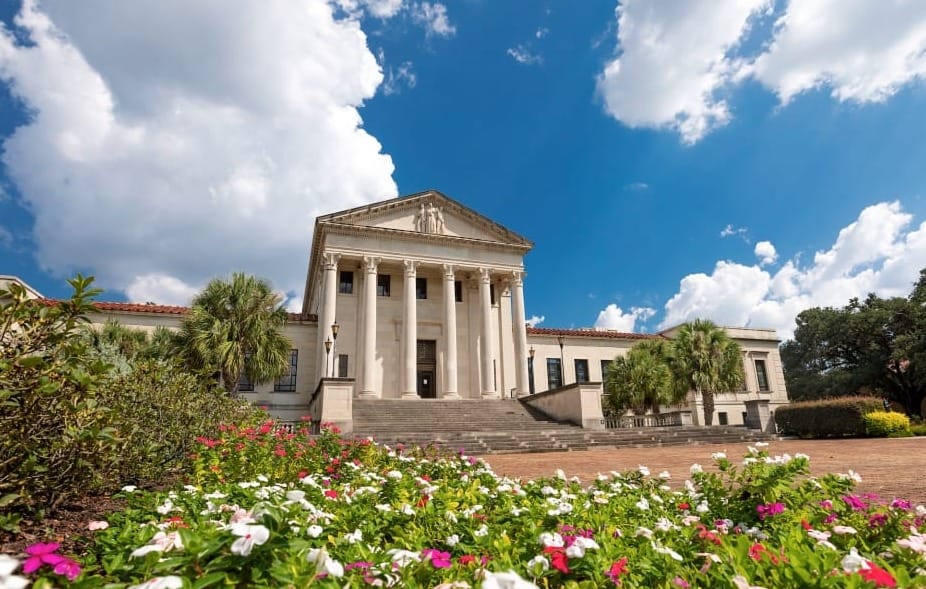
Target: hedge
{"points": [[824, 418], [887, 424]]}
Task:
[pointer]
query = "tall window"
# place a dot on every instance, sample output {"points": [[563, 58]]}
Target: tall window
{"points": [[554, 373], [604, 369], [383, 285], [581, 370], [421, 288], [492, 293], [287, 382], [244, 383], [761, 375], [458, 291], [342, 365], [346, 283]]}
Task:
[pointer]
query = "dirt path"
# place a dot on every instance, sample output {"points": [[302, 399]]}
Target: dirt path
{"points": [[889, 467]]}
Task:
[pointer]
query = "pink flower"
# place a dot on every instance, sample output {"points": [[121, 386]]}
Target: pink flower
{"points": [[680, 582], [42, 554], [617, 569], [439, 559], [770, 510]]}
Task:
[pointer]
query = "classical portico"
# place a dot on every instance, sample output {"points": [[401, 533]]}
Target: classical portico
{"points": [[428, 296]]}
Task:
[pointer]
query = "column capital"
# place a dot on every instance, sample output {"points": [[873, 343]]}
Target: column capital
{"points": [[370, 264], [448, 271], [516, 279], [330, 260], [411, 267], [484, 275]]}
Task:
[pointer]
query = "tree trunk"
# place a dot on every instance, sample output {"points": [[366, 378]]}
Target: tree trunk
{"points": [[707, 398]]}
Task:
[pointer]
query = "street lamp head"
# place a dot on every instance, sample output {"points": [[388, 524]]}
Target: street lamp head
{"points": [[334, 330], [328, 346], [532, 351], [560, 340]]}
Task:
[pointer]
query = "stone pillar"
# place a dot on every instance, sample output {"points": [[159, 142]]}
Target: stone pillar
{"points": [[450, 334], [409, 385], [327, 310], [520, 335], [368, 347], [488, 344]]}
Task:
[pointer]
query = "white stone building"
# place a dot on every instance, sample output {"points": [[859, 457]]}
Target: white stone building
{"points": [[422, 297]]}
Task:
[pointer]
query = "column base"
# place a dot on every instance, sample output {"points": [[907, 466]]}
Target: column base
{"points": [[491, 395], [368, 395], [410, 395], [453, 395]]}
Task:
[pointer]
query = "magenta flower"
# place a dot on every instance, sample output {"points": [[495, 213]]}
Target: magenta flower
{"points": [[855, 503], [42, 554], [438, 558], [769, 510]]}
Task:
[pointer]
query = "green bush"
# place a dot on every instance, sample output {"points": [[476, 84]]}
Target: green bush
{"points": [[918, 429], [836, 417], [887, 424]]}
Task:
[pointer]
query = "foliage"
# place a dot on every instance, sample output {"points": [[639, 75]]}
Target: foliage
{"points": [[918, 429], [708, 361], [55, 437], [887, 424], [641, 380], [358, 514], [235, 327], [822, 418], [876, 345], [122, 346]]}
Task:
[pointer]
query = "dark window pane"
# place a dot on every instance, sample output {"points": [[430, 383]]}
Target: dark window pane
{"points": [[421, 288], [458, 291], [554, 373], [492, 293], [383, 285], [581, 370], [761, 376], [287, 382], [604, 369], [244, 383], [722, 418], [346, 284], [342, 365]]}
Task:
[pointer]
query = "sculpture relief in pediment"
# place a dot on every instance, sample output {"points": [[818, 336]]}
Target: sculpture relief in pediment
{"points": [[429, 219]]}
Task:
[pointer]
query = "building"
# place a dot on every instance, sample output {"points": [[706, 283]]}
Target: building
{"points": [[422, 297]]}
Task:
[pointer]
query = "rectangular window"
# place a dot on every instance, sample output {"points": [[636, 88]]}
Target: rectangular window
{"points": [[554, 373], [581, 370], [722, 418], [604, 369], [492, 293], [761, 376], [383, 285], [244, 383], [342, 365], [458, 291], [287, 382], [346, 283], [421, 288]]}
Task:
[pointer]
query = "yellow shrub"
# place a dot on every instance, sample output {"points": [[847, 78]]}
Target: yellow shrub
{"points": [[887, 424]]}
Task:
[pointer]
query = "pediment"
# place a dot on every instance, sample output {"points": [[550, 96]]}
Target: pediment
{"points": [[429, 214]]}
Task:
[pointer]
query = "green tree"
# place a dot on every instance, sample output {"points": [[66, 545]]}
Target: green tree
{"points": [[641, 380], [235, 327], [705, 359]]}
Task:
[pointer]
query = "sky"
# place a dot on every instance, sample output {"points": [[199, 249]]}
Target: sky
{"points": [[737, 160]]}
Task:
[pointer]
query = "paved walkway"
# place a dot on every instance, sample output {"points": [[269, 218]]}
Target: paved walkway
{"points": [[889, 467]]}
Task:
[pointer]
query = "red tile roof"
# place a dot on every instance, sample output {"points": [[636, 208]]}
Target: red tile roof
{"points": [[164, 309], [589, 332]]}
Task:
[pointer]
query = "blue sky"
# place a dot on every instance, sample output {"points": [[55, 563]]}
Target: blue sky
{"points": [[734, 160]]}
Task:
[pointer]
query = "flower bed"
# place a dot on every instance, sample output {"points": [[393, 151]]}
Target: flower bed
{"points": [[271, 509]]}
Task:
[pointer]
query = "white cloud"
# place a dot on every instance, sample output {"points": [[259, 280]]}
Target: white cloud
{"points": [[179, 141], [6, 238], [879, 252], [542, 32], [376, 8], [534, 320], [674, 59], [433, 17], [742, 232], [636, 186], [613, 317], [766, 253], [678, 61], [161, 289], [398, 78], [523, 54]]}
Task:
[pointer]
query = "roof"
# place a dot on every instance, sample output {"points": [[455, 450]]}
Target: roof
{"points": [[163, 309], [590, 332]]}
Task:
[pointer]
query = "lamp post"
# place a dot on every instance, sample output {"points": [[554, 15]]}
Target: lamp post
{"points": [[530, 365], [334, 354], [562, 362], [327, 354]]}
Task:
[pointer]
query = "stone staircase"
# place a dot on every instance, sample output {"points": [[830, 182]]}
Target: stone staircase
{"points": [[487, 427]]}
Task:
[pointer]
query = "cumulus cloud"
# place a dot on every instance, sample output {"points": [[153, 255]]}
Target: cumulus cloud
{"points": [[613, 317], [376, 8], [433, 17], [766, 253], [171, 141], [523, 54], [535, 320], [161, 289], [878, 252], [860, 51]]}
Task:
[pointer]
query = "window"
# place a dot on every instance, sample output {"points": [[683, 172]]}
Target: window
{"points": [[604, 369], [421, 288], [554, 373], [383, 285], [761, 376], [581, 370], [342, 365], [346, 283], [492, 293], [287, 382], [722, 418], [458, 291], [244, 383]]}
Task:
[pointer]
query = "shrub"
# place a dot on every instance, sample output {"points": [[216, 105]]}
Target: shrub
{"points": [[887, 424], [918, 429], [836, 417]]}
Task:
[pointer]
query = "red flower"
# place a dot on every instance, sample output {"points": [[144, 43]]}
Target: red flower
{"points": [[558, 558], [423, 501], [705, 534], [878, 576], [331, 494], [684, 506], [466, 559], [617, 569]]}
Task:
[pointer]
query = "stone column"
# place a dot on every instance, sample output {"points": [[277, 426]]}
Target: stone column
{"points": [[368, 347], [520, 334], [488, 343], [327, 310], [409, 385], [450, 333]]}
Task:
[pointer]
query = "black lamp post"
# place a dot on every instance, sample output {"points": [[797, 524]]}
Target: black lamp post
{"points": [[530, 365], [334, 355], [562, 362], [327, 354]]}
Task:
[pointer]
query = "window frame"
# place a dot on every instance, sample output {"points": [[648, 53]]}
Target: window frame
{"points": [[346, 286], [584, 363], [383, 285], [761, 375], [287, 382], [343, 365], [558, 367]]}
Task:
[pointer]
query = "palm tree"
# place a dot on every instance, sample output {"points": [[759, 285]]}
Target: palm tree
{"points": [[641, 380], [235, 327], [707, 361]]}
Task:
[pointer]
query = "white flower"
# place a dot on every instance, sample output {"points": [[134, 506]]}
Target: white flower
{"points": [[168, 582], [643, 470], [665, 550], [215, 495], [394, 474], [407, 509], [719, 456], [539, 560], [578, 548], [664, 525], [916, 542], [165, 507], [645, 532], [844, 530], [250, 535], [161, 542], [129, 489], [295, 495], [921, 510], [702, 507], [403, 557], [761, 444], [551, 539], [452, 540], [354, 537], [97, 525], [695, 468], [665, 475], [314, 530], [324, 564], [8, 580], [642, 504], [548, 490], [560, 474], [853, 562], [507, 580], [741, 583], [482, 531], [384, 507]]}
